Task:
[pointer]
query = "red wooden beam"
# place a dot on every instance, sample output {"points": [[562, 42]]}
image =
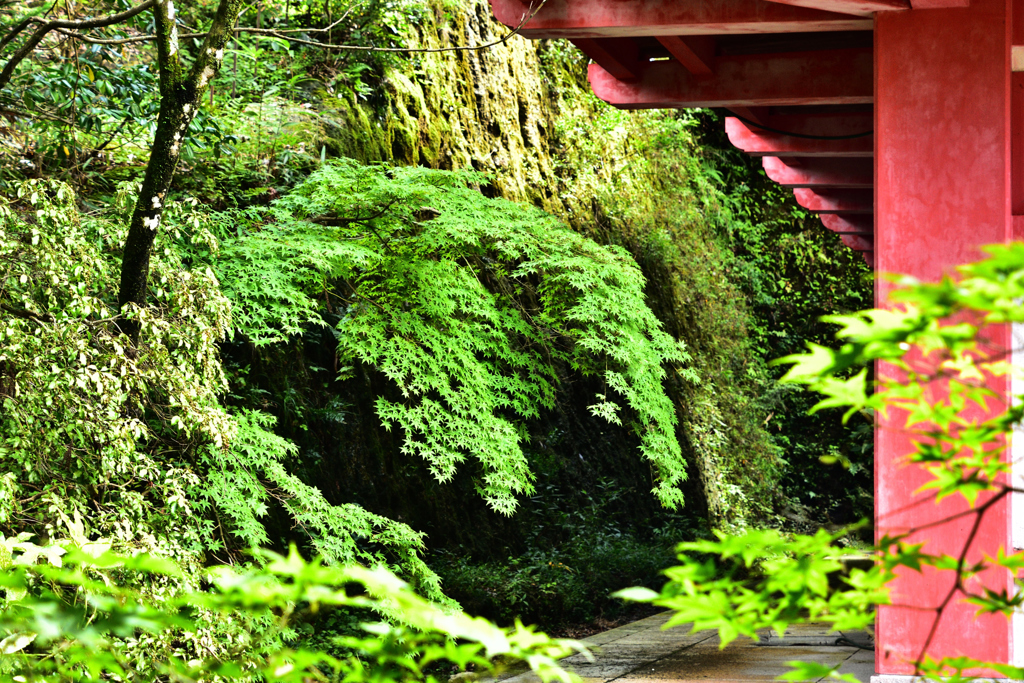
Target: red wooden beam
{"points": [[835, 201], [820, 172], [1017, 39], [760, 142], [1017, 144], [696, 53], [869, 258], [850, 224], [618, 56], [858, 7], [793, 78], [615, 18], [756, 115], [858, 242], [1017, 109], [935, 4]]}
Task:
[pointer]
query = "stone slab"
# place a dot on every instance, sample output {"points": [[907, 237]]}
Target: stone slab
{"points": [[644, 652], [736, 662], [861, 664]]}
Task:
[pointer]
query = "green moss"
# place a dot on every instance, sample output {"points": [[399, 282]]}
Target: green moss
{"points": [[522, 113]]}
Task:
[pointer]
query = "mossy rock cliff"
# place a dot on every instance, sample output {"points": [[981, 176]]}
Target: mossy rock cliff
{"points": [[521, 112]]}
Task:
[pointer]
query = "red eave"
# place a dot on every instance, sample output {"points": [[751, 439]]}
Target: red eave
{"points": [[759, 142], [852, 224], [618, 18], [857, 7], [796, 78], [799, 73], [835, 201], [820, 172], [858, 243]]}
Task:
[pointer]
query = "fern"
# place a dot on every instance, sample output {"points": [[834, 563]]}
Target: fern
{"points": [[239, 482], [470, 305]]}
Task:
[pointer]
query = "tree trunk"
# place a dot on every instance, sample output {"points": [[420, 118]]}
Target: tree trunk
{"points": [[172, 125], [180, 98]]}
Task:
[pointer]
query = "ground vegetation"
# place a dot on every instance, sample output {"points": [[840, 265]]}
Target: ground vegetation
{"points": [[442, 311]]}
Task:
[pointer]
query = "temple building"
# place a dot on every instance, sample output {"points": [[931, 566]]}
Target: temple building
{"points": [[900, 123]]}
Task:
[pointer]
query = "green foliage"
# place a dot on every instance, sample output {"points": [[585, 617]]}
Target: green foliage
{"points": [[481, 314], [791, 271], [681, 233], [557, 586], [578, 552], [484, 315], [933, 339], [262, 131], [762, 579], [169, 470], [938, 360], [239, 481], [72, 617], [135, 448], [80, 415], [85, 112], [471, 306]]}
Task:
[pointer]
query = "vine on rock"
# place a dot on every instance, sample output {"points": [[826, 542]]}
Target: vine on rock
{"points": [[470, 306]]}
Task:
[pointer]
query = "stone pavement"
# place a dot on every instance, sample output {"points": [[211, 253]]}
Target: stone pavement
{"points": [[641, 652]]}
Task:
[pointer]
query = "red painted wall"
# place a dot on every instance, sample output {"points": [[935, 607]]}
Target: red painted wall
{"points": [[942, 149]]}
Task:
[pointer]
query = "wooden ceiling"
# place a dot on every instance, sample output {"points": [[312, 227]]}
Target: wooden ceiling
{"points": [[796, 75]]}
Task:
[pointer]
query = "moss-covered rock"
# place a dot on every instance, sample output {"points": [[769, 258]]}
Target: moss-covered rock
{"points": [[522, 112]]}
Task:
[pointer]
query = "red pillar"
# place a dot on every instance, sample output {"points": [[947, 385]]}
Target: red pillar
{"points": [[942, 189]]}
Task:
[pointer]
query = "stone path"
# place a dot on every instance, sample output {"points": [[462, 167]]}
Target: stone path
{"points": [[641, 652]]}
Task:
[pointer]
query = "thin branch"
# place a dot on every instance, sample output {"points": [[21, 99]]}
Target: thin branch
{"points": [[285, 34], [40, 33], [25, 23], [26, 314], [124, 122], [120, 41], [957, 586], [527, 16], [335, 221], [7, 109], [146, 38], [98, 22]]}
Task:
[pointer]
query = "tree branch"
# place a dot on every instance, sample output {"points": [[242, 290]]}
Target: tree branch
{"points": [[40, 33], [8, 109], [207, 62], [16, 30], [124, 122], [286, 34], [168, 61], [26, 314]]}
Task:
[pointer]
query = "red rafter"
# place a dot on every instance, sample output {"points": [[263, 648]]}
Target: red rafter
{"points": [[835, 201], [858, 7], [851, 224], [615, 18], [759, 142], [858, 242], [794, 78], [696, 53], [820, 172]]}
